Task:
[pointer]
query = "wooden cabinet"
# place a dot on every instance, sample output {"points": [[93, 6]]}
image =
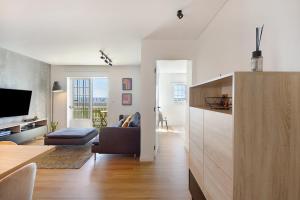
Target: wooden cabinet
{"points": [[218, 154], [196, 143], [251, 151]]}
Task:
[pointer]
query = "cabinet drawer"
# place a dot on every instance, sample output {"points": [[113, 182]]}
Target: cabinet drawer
{"points": [[196, 144], [218, 140], [218, 185]]}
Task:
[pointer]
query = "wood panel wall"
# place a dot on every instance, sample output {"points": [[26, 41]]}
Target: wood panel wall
{"points": [[196, 160]]}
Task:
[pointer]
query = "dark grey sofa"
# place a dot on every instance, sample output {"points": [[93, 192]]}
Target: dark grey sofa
{"points": [[117, 140]]}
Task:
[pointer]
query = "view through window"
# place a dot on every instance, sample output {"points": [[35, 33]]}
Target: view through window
{"points": [[179, 92]]}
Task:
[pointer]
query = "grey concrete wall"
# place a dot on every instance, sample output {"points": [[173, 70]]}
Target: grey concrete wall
{"points": [[21, 72]]}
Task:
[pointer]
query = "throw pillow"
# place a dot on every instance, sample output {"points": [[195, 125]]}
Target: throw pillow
{"points": [[120, 123], [135, 120], [126, 123]]}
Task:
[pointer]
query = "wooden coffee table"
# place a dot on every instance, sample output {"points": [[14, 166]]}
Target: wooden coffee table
{"points": [[13, 157]]}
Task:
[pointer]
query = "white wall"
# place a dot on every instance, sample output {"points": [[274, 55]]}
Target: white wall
{"points": [[175, 112], [226, 45], [114, 74], [153, 50]]}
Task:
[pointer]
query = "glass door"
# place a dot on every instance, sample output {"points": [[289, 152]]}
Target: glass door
{"points": [[81, 98], [100, 102], [88, 102]]}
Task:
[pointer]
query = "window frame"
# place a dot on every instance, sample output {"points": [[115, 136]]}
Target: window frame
{"points": [[179, 92]]}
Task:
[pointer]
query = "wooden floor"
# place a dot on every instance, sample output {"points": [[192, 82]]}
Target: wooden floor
{"points": [[121, 177]]}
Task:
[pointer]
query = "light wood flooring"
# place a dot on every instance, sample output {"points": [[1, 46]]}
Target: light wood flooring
{"points": [[115, 177]]}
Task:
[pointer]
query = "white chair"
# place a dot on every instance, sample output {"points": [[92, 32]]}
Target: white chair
{"points": [[162, 120], [81, 123], [19, 184]]}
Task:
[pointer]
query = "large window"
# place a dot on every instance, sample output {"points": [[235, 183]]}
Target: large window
{"points": [[179, 92]]}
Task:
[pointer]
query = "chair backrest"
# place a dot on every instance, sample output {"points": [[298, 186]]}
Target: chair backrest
{"points": [[81, 123], [7, 143], [160, 116], [19, 184]]}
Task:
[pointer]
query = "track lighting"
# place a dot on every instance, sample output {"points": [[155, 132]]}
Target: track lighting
{"points": [[106, 59], [180, 14]]}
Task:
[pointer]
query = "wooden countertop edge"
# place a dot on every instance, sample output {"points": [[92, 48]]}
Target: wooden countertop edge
{"points": [[50, 149]]}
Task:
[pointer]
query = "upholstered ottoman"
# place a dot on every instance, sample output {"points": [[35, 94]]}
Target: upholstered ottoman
{"points": [[71, 136]]}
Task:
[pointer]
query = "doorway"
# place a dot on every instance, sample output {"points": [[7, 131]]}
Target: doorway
{"points": [[87, 102], [173, 78]]}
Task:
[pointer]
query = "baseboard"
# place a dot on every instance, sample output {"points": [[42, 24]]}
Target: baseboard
{"points": [[195, 189], [146, 158]]}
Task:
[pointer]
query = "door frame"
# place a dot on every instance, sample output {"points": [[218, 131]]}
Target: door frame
{"points": [[189, 83]]}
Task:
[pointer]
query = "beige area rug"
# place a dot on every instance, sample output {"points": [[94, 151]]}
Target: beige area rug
{"points": [[65, 157]]}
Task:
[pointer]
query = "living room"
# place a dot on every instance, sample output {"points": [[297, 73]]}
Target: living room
{"points": [[242, 133]]}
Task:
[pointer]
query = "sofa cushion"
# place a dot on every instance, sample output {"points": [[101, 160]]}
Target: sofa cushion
{"points": [[118, 124], [69, 133], [126, 123], [123, 117], [96, 140]]}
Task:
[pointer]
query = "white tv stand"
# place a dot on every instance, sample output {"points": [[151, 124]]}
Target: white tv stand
{"points": [[19, 135]]}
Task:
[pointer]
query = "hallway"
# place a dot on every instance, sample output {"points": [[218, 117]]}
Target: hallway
{"points": [[118, 177]]}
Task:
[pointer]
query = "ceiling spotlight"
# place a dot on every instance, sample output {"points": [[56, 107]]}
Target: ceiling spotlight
{"points": [[106, 59], [180, 14]]}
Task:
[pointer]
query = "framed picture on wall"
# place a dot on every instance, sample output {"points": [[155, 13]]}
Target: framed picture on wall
{"points": [[127, 83], [126, 99]]}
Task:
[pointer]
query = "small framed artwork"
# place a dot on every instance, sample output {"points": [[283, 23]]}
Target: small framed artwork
{"points": [[127, 83], [126, 99]]}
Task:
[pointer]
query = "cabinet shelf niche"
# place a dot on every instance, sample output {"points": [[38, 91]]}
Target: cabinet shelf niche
{"points": [[213, 88]]}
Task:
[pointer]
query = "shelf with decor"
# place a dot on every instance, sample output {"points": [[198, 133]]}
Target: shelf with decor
{"points": [[242, 125], [215, 95], [20, 132]]}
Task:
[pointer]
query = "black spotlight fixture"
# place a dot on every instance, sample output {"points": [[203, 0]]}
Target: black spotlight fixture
{"points": [[180, 14], [105, 58]]}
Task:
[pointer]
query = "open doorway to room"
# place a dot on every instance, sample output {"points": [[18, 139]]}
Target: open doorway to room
{"points": [[87, 102], [173, 78]]}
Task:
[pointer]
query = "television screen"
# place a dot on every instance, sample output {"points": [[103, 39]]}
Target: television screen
{"points": [[14, 102]]}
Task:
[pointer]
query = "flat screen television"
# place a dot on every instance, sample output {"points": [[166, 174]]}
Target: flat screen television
{"points": [[14, 102]]}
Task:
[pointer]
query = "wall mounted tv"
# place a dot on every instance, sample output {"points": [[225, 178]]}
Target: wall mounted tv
{"points": [[14, 102]]}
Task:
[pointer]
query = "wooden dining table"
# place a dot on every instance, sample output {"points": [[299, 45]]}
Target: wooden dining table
{"points": [[13, 157]]}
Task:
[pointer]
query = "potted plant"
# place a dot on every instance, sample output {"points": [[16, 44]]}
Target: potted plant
{"points": [[53, 126]]}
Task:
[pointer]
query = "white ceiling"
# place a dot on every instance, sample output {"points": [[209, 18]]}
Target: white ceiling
{"points": [[71, 32]]}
